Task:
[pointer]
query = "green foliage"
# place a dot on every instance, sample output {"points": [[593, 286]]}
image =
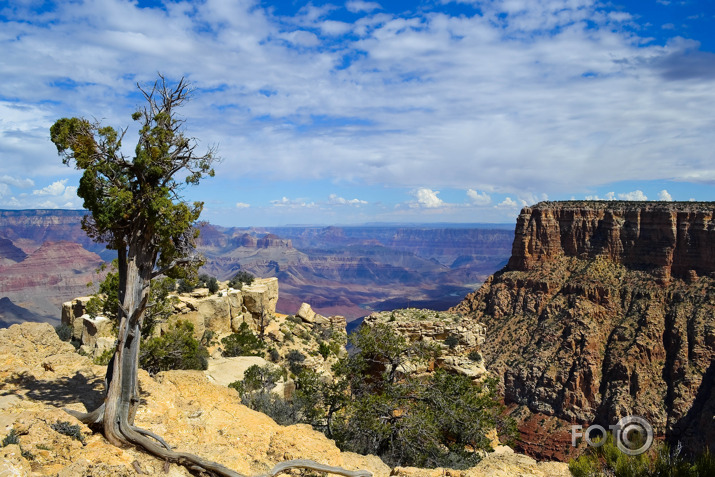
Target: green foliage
{"points": [[429, 422], [242, 343], [175, 349], [274, 355], [294, 319], [185, 286], [64, 332], [324, 349], [295, 361], [475, 356], [452, 341], [659, 461], [104, 358], [207, 281], [241, 278], [11, 438], [70, 430]]}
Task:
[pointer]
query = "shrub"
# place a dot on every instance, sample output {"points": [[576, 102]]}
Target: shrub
{"points": [[294, 319], [11, 438], [274, 355], [475, 356], [104, 358], [70, 430], [185, 286], [295, 361], [242, 343], [175, 349], [64, 332], [452, 341], [241, 278], [324, 349]]}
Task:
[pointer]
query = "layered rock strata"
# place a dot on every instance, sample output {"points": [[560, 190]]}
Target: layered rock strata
{"points": [[605, 310]]}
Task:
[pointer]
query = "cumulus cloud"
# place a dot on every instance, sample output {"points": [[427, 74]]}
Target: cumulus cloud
{"points": [[525, 96], [478, 198], [56, 188], [508, 202], [4, 190], [333, 199], [242, 205], [607, 196], [634, 195], [16, 182], [665, 196], [291, 203], [427, 198], [357, 6]]}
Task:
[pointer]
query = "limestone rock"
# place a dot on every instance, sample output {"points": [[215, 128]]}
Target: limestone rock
{"points": [[307, 314], [261, 296], [224, 371], [72, 312]]}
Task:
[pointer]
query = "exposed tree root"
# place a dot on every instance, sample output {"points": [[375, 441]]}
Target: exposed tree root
{"points": [[147, 440]]}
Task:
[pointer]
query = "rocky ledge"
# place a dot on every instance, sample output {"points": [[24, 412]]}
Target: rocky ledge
{"points": [[605, 310], [39, 374]]}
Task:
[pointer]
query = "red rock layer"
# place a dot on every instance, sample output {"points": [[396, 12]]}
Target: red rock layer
{"points": [[665, 238]]}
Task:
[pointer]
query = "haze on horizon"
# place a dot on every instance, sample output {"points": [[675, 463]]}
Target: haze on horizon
{"points": [[353, 112]]}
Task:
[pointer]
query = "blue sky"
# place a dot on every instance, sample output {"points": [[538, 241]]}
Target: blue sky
{"points": [[334, 112]]}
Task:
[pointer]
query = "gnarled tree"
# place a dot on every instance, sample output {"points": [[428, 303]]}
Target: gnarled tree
{"points": [[136, 208]]}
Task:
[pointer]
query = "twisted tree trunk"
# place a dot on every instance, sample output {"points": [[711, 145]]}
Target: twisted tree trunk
{"points": [[122, 399]]}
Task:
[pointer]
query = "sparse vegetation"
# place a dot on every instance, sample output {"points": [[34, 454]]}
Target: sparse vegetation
{"points": [[242, 343], [659, 461], [175, 349], [240, 279], [64, 332], [11, 438], [70, 430]]}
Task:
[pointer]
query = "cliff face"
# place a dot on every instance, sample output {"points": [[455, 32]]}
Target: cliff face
{"points": [[605, 310], [664, 238]]}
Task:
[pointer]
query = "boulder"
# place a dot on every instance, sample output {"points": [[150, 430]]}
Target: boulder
{"points": [[307, 314]]}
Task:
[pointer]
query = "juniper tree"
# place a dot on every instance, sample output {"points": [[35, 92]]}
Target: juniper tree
{"points": [[136, 207]]}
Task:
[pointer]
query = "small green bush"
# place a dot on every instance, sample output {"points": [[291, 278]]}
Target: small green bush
{"points": [[241, 278], [324, 349], [274, 355], [475, 356], [11, 438], [104, 358], [294, 319], [242, 343], [185, 286], [64, 332], [452, 341], [70, 430], [295, 361], [175, 349]]}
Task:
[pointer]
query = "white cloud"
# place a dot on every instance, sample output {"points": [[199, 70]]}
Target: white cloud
{"points": [[508, 202], [526, 96], [427, 198], [15, 182], [242, 205], [608, 196], [478, 198], [4, 190], [665, 196], [56, 188], [634, 195], [292, 203], [357, 6], [333, 199]]}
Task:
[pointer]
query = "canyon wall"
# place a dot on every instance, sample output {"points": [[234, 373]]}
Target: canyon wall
{"points": [[605, 310], [664, 238]]}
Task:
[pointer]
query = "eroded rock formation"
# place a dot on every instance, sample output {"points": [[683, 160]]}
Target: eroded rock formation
{"points": [[605, 310], [40, 375]]}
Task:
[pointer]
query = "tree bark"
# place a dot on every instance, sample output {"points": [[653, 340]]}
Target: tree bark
{"points": [[122, 399]]}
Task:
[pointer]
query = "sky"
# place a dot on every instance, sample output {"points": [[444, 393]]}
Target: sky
{"points": [[352, 112]]}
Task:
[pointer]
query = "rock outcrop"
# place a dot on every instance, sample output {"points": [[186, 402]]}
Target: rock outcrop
{"points": [[664, 238], [459, 339], [605, 310], [39, 375]]}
